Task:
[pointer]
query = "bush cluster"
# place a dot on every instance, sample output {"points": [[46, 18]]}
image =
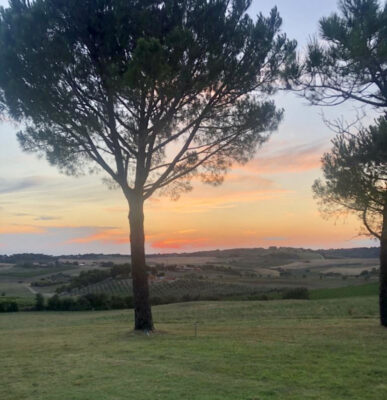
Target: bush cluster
{"points": [[301, 293], [83, 303], [9, 306]]}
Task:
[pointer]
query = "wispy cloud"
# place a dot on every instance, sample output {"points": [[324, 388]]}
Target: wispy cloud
{"points": [[274, 238], [18, 185], [47, 218], [291, 159]]}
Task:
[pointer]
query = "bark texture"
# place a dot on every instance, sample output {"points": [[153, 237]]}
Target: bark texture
{"points": [[142, 308], [383, 271]]}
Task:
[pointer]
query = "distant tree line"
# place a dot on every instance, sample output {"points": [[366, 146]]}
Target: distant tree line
{"points": [[26, 258]]}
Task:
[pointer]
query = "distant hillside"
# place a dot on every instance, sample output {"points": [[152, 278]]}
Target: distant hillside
{"points": [[357, 252], [279, 253], [282, 252]]}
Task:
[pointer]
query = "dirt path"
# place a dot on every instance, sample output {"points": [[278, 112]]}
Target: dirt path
{"points": [[30, 288]]}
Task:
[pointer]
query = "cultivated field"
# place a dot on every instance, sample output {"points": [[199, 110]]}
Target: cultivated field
{"points": [[206, 275], [330, 349]]}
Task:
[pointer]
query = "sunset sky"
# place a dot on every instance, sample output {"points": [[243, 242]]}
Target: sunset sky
{"points": [[263, 203]]}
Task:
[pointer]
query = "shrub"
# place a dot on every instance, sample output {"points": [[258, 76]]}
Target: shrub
{"points": [[98, 301], [155, 301], [301, 293], [39, 302], [83, 304], [89, 301], [186, 298], [122, 270], [117, 303], [67, 304], [129, 302], [53, 303], [9, 306]]}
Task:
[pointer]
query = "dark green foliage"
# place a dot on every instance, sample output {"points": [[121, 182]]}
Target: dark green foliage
{"points": [[121, 270], [83, 304], [355, 172], [53, 303], [67, 304], [89, 301], [117, 303], [9, 306], [85, 278], [297, 294], [350, 61], [27, 258], [39, 302], [88, 75], [129, 301], [99, 301], [90, 277]]}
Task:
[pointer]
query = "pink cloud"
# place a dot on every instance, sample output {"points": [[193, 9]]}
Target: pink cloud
{"points": [[293, 159], [104, 236]]}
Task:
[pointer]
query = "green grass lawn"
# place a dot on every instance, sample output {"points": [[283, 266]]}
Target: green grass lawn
{"points": [[318, 349]]}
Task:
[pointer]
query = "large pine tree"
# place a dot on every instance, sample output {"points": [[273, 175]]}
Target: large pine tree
{"points": [[153, 92]]}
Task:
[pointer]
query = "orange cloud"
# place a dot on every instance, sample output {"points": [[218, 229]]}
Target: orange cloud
{"points": [[228, 200], [104, 236], [177, 243]]}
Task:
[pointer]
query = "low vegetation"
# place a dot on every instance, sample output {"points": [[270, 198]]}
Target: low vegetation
{"points": [[86, 278], [266, 350]]}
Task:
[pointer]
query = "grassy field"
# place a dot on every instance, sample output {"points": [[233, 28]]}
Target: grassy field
{"points": [[346, 291], [318, 349]]}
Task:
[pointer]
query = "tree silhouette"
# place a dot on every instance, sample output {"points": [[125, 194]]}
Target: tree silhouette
{"points": [[153, 92], [355, 172], [350, 60]]}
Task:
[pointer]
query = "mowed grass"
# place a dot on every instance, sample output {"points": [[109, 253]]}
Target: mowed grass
{"points": [[319, 349]]}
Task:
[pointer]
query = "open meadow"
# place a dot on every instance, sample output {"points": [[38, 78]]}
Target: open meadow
{"points": [[286, 350]]}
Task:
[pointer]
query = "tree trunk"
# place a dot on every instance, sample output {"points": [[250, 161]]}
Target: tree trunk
{"points": [[142, 308], [383, 271]]}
